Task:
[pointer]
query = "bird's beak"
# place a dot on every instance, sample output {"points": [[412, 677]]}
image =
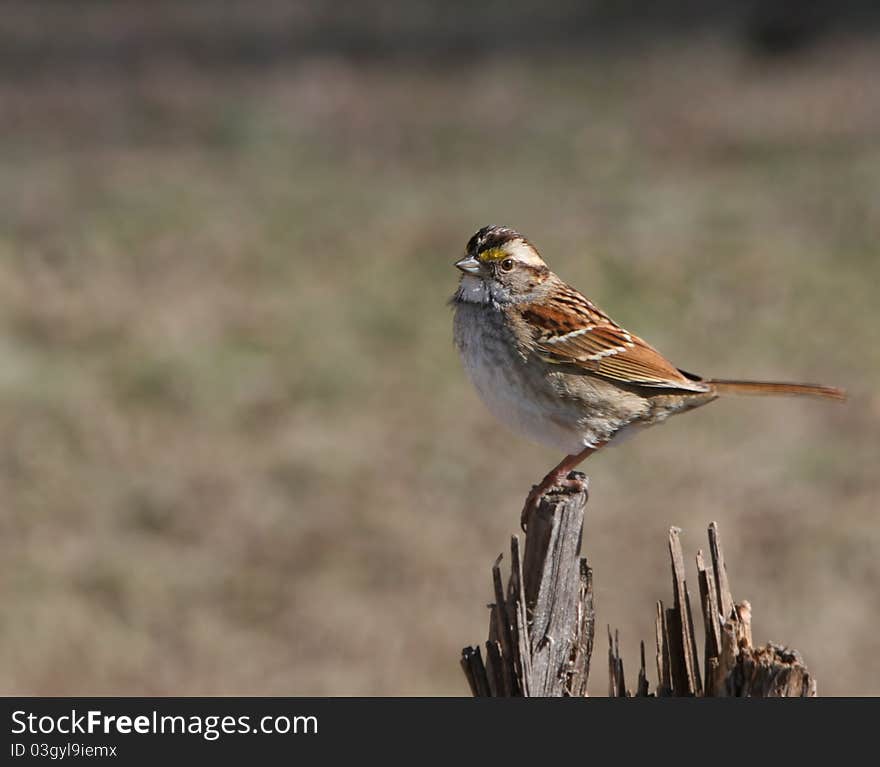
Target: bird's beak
{"points": [[469, 265]]}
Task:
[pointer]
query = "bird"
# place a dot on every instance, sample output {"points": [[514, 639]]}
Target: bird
{"points": [[551, 365]]}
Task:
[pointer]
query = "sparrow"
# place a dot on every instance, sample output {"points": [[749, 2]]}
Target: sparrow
{"points": [[553, 366]]}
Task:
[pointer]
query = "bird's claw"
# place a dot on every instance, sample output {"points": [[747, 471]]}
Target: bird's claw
{"points": [[574, 481], [533, 500]]}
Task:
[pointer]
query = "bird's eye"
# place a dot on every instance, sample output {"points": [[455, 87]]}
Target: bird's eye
{"points": [[507, 265]]}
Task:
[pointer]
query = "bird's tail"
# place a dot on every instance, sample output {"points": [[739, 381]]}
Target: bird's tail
{"points": [[723, 386]]}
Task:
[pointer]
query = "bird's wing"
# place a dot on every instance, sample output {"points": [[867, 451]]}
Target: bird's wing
{"points": [[569, 329]]}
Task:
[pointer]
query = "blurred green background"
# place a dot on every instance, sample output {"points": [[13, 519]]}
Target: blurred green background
{"points": [[239, 454]]}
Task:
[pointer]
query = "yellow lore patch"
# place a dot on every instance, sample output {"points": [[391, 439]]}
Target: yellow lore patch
{"points": [[492, 254]]}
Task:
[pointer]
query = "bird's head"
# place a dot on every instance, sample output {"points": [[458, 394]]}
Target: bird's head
{"points": [[500, 264]]}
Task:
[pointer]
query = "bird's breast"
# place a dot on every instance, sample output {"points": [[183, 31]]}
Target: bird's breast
{"points": [[516, 390]]}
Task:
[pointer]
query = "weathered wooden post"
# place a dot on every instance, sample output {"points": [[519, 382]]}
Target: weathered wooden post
{"points": [[541, 629]]}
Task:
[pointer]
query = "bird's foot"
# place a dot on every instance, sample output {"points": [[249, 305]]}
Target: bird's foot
{"points": [[574, 481]]}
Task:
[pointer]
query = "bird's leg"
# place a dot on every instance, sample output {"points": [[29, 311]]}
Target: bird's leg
{"points": [[556, 477]]}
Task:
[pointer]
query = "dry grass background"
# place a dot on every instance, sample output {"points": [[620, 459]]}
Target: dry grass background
{"points": [[239, 454]]}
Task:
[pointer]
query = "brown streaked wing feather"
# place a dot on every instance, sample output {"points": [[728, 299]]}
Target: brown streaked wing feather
{"points": [[571, 330], [644, 365]]}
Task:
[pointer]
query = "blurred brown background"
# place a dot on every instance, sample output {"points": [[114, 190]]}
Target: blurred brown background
{"points": [[239, 454]]}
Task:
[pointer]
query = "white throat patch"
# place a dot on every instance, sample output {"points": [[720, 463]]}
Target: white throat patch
{"points": [[473, 290]]}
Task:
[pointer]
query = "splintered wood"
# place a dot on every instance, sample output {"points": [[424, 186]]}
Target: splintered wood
{"points": [[541, 631], [732, 665]]}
